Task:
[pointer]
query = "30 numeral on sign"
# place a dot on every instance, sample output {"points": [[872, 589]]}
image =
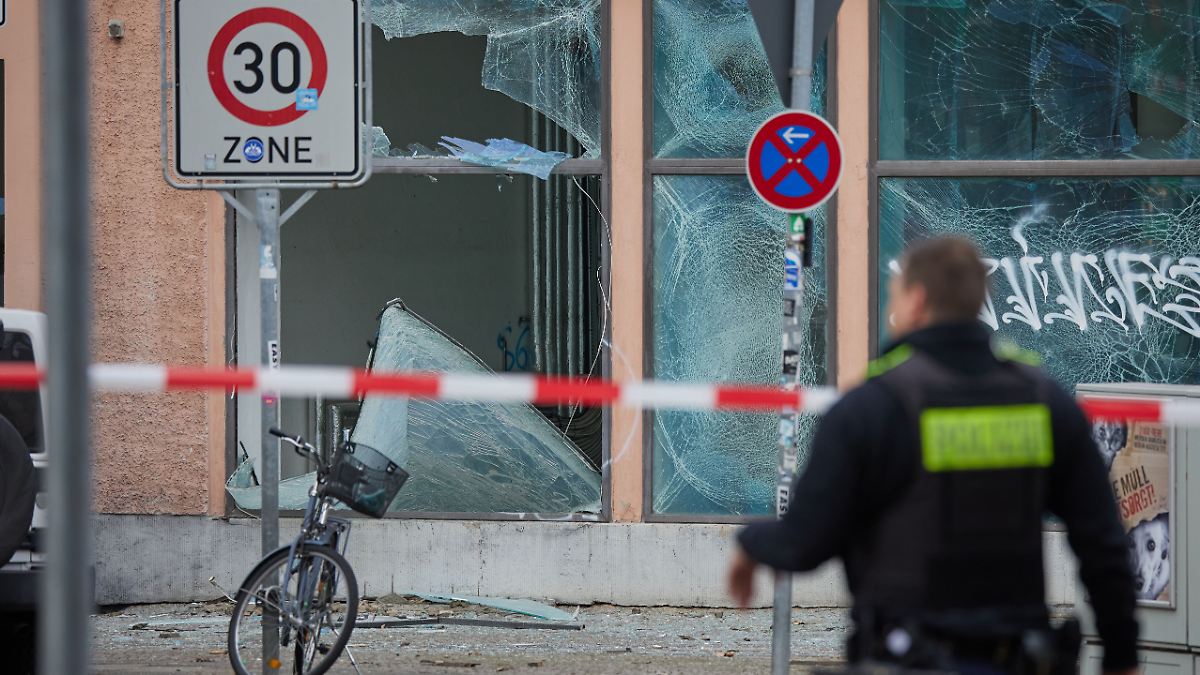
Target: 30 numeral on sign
{"points": [[254, 67]]}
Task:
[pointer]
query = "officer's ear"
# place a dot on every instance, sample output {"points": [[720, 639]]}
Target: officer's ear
{"points": [[918, 298]]}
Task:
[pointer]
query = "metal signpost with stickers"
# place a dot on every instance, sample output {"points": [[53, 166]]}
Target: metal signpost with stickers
{"points": [[794, 163], [260, 96]]}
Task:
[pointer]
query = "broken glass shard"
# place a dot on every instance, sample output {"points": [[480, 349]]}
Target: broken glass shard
{"points": [[468, 457], [542, 53], [511, 605], [1099, 276], [293, 492], [1038, 79], [713, 85], [504, 153], [501, 153], [381, 145]]}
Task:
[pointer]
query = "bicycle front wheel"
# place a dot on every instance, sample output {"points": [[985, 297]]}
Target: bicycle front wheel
{"points": [[293, 619]]}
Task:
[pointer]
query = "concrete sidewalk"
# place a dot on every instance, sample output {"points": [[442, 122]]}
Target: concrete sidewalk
{"points": [[191, 639]]}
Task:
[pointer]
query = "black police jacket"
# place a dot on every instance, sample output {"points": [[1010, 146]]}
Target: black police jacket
{"points": [[864, 457]]}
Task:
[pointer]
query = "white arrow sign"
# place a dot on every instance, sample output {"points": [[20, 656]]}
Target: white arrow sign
{"points": [[791, 135]]}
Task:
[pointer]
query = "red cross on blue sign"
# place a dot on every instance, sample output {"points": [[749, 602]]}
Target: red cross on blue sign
{"points": [[794, 161]]}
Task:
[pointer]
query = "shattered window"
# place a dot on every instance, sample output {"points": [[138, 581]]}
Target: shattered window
{"points": [[713, 86], [717, 250], [490, 83], [1039, 79], [717, 307], [1101, 276], [507, 273], [473, 220]]}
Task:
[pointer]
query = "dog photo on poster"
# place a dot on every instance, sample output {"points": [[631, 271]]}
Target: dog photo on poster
{"points": [[1138, 458]]}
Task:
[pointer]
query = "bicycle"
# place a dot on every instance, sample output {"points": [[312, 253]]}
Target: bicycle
{"points": [[305, 592]]}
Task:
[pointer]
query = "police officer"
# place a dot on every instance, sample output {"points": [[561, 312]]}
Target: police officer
{"points": [[930, 482]]}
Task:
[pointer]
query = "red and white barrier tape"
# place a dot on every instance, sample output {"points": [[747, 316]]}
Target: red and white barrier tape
{"points": [[347, 382], [336, 382], [1142, 410]]}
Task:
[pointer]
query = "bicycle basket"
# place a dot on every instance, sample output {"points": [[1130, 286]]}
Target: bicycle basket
{"points": [[364, 479]]}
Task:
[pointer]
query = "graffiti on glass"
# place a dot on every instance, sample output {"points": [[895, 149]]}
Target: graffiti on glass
{"points": [[514, 354], [1115, 286]]}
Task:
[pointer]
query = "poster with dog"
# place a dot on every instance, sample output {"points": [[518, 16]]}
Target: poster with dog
{"points": [[1138, 458]]}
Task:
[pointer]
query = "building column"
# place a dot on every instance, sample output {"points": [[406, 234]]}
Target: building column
{"points": [[22, 156], [627, 160], [852, 285]]}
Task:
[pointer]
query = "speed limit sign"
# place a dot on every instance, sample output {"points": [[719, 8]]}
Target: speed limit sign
{"points": [[267, 89]]}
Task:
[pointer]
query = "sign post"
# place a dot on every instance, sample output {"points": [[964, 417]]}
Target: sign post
{"points": [[66, 592], [267, 95], [794, 163]]}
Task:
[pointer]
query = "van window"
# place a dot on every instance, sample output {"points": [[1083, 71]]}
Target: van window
{"points": [[22, 408]]}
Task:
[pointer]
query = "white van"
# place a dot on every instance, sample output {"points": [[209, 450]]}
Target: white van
{"points": [[23, 339]]}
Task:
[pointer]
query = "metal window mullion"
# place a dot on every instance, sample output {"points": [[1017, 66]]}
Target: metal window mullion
{"points": [[571, 198], [722, 166], [1118, 168], [573, 262], [535, 236], [403, 165], [647, 429], [550, 207]]}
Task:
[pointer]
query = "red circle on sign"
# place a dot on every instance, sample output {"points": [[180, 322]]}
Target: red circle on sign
{"points": [[216, 64], [820, 190]]}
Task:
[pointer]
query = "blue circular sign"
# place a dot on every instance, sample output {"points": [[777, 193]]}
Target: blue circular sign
{"points": [[253, 150]]}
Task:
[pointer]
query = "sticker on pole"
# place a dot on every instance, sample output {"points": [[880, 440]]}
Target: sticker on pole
{"points": [[269, 90], [794, 161]]}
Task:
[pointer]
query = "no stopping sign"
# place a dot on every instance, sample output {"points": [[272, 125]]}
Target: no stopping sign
{"points": [[794, 161], [269, 89]]}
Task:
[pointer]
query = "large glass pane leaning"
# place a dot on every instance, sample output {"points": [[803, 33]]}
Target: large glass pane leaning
{"points": [[1099, 276], [459, 70], [1039, 79], [717, 306]]}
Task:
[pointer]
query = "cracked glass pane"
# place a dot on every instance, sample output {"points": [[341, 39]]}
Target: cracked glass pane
{"points": [[1099, 276], [1039, 79], [713, 86], [544, 54], [468, 457], [718, 293]]}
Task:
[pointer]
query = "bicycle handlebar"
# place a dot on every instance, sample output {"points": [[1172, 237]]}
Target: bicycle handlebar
{"points": [[296, 441]]}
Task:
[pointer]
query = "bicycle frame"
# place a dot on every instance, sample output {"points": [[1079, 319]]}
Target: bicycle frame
{"points": [[318, 529]]}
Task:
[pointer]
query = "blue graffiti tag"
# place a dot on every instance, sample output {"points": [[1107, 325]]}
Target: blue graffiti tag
{"points": [[518, 357]]}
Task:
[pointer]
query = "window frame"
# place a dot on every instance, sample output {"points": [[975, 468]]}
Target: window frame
{"points": [[877, 170], [705, 166], [448, 166]]}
